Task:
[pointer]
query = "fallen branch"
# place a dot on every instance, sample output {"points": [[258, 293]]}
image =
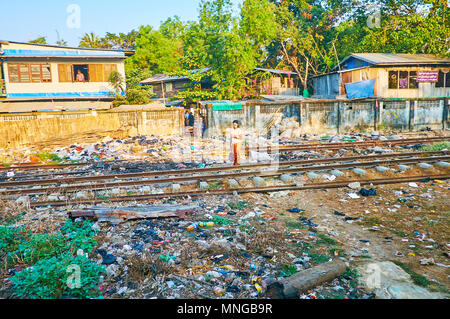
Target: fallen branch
{"points": [[293, 286]]}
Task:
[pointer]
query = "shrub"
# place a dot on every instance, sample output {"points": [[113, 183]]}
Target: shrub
{"points": [[40, 246], [436, 147], [11, 237], [80, 235], [48, 279]]}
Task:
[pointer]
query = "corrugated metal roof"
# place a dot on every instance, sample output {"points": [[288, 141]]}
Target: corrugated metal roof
{"points": [[276, 71], [165, 78], [63, 47], [394, 58]]}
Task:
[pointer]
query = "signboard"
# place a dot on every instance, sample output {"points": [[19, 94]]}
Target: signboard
{"points": [[427, 76]]}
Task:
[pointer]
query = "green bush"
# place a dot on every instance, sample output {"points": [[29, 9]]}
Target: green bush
{"points": [[79, 235], [48, 279], [11, 237], [39, 246], [436, 147]]}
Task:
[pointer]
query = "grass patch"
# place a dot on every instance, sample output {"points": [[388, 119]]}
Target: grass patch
{"points": [[8, 219], [318, 258], [214, 186], [398, 233], [238, 205], [436, 147], [420, 280], [325, 240], [295, 225], [363, 256], [372, 221], [222, 220], [49, 157], [288, 270]]}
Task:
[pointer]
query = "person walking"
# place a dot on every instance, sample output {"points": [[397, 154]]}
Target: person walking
{"points": [[236, 141]]}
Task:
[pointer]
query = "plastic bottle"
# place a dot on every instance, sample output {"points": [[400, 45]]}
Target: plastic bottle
{"points": [[201, 224]]}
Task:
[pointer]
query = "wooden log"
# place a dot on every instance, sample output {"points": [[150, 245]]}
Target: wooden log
{"points": [[293, 286]]}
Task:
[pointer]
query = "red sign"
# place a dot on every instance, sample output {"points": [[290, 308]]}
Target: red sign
{"points": [[427, 76]]}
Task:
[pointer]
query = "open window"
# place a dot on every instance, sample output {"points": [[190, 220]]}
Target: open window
{"points": [[80, 72], [393, 79], [443, 79], [402, 80]]}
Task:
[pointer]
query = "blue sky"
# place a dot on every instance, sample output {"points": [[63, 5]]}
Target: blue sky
{"points": [[26, 20]]}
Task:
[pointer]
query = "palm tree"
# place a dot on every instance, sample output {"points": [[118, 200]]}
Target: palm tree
{"points": [[62, 43], [117, 81], [40, 40], [90, 40]]}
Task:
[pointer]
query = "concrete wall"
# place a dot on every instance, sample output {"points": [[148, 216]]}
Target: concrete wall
{"points": [[29, 128], [337, 116], [255, 116]]}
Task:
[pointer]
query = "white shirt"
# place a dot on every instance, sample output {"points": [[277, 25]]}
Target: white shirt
{"points": [[236, 136]]}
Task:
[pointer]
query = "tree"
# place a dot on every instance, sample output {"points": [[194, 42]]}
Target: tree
{"points": [[156, 52], [90, 40], [61, 42], [117, 82], [123, 41], [39, 40]]}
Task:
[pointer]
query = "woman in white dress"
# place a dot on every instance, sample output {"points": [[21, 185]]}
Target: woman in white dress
{"points": [[236, 141]]}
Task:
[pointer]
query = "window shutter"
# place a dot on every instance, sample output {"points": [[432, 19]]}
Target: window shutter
{"points": [[108, 69], [24, 72], [96, 73], [46, 73], [13, 73], [35, 73], [65, 72]]}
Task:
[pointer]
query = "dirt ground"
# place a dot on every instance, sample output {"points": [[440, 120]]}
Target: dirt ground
{"points": [[405, 223], [393, 232]]}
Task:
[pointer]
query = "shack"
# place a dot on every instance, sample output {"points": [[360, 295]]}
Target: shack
{"points": [[165, 86], [36, 77], [261, 82], [385, 75]]}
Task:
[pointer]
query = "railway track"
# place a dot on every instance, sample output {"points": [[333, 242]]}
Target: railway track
{"points": [[22, 180], [97, 183], [281, 148], [358, 144], [340, 184]]}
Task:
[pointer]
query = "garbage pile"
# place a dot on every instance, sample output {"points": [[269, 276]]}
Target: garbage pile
{"points": [[226, 248]]}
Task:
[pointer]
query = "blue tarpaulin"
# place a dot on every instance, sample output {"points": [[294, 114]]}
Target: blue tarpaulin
{"points": [[360, 89]]}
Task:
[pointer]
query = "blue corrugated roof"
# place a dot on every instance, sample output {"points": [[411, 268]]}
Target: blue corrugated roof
{"points": [[61, 53]]}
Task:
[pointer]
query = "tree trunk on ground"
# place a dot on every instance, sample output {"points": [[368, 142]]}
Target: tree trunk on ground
{"points": [[293, 286]]}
